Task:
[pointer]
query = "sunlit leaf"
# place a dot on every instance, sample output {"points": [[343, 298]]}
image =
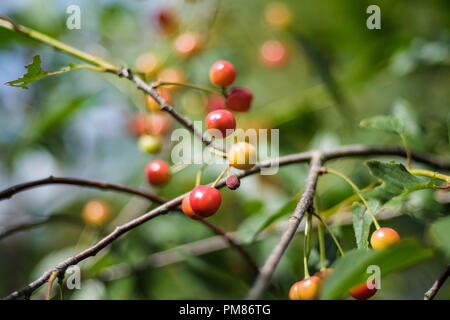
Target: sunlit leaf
{"points": [[396, 179], [34, 73]]}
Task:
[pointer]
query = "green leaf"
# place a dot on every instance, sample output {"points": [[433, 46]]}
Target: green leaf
{"points": [[34, 73], [406, 113], [362, 222], [390, 124], [440, 234], [397, 181], [351, 269]]}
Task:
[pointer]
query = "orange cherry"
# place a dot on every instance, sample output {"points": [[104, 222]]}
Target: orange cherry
{"points": [[187, 209], [307, 289], [383, 238], [96, 212]]}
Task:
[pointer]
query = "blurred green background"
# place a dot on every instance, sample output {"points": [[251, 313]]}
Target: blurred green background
{"points": [[337, 73]]}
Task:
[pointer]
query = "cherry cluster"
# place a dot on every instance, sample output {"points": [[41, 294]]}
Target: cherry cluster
{"points": [[203, 201], [308, 289]]}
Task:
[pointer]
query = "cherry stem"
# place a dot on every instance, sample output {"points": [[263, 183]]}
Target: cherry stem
{"points": [[331, 233], [358, 192], [218, 152], [431, 174], [224, 92], [408, 152], [187, 85], [50, 282], [307, 244], [321, 246], [220, 176], [61, 292], [198, 178]]}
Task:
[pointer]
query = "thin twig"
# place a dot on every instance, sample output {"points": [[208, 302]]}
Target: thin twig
{"points": [[340, 152], [204, 246], [7, 23], [33, 222], [9, 192], [108, 67], [269, 267], [430, 294], [101, 185]]}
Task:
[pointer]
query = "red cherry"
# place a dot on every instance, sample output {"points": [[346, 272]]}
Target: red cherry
{"points": [[383, 238], [159, 123], [205, 200], [307, 289], [362, 292], [239, 99], [187, 209], [273, 53], [215, 102], [158, 172], [139, 124], [222, 73], [187, 44], [166, 20], [222, 120]]}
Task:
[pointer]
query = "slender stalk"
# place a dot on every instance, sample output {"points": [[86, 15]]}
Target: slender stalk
{"points": [[186, 85], [50, 283], [265, 275], [338, 245], [321, 246], [430, 174], [358, 192], [408, 153], [33, 34], [307, 245], [61, 291], [220, 177], [260, 284], [198, 177]]}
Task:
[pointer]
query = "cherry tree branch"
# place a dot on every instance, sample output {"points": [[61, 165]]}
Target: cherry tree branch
{"points": [[264, 277], [430, 294], [209, 245], [121, 72], [33, 222], [340, 152], [9, 192], [315, 157]]}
